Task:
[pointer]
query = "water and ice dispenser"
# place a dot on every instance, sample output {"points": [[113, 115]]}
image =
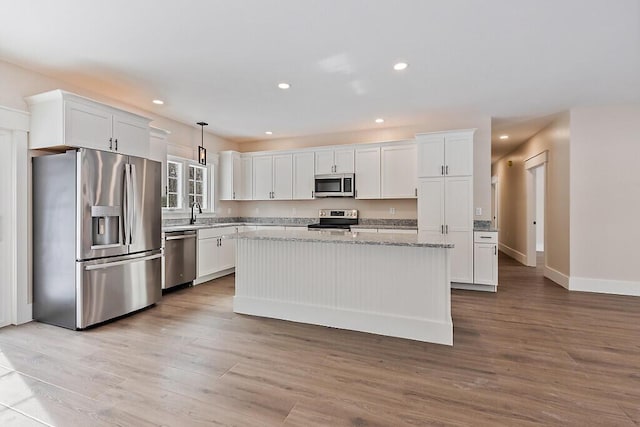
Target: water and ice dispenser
{"points": [[106, 226]]}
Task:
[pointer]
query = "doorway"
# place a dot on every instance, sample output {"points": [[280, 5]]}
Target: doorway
{"points": [[536, 177]]}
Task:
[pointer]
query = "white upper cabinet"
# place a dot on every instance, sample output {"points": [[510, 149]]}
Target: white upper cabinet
{"points": [[85, 126], [367, 173], [399, 176], [246, 180], [62, 119], [229, 171], [262, 177], [282, 177], [445, 153], [158, 152], [458, 153], [303, 175], [227, 175], [344, 160], [324, 162], [430, 156], [273, 177], [334, 161]]}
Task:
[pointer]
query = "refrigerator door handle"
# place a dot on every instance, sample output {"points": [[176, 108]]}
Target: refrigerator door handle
{"points": [[123, 262], [125, 206], [133, 184]]}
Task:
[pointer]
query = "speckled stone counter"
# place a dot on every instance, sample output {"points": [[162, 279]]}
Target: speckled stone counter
{"points": [[345, 237]]}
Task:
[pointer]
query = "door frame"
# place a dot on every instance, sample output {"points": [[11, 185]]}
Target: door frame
{"points": [[495, 183], [14, 125], [530, 164]]}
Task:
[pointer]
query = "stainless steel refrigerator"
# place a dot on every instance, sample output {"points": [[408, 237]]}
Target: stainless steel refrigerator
{"points": [[96, 236]]}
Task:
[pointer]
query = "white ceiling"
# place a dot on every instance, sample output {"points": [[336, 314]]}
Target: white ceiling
{"points": [[220, 61]]}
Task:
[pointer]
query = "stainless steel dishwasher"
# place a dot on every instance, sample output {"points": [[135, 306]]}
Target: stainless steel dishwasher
{"points": [[179, 257]]}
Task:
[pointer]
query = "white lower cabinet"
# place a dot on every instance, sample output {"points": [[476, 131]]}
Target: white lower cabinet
{"points": [[397, 231], [215, 253], [485, 258]]}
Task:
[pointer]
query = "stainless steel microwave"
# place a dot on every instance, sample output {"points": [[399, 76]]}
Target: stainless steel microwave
{"points": [[335, 185]]}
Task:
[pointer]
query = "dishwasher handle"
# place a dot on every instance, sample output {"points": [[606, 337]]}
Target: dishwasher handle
{"points": [[181, 237]]}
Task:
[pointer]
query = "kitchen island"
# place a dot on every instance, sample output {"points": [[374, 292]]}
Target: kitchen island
{"points": [[388, 284]]}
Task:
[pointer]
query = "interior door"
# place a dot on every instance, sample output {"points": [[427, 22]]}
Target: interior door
{"points": [[146, 224]]}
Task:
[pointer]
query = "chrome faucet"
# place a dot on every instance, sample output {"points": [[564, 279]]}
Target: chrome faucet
{"points": [[193, 216]]}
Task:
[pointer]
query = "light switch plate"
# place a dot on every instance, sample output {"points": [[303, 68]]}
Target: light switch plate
{"points": [[478, 211]]}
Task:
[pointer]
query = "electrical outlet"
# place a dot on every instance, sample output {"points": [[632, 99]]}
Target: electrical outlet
{"points": [[392, 211], [228, 211], [257, 210], [478, 211], [293, 211]]}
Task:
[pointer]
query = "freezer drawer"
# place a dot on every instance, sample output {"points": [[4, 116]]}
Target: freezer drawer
{"points": [[112, 288]]}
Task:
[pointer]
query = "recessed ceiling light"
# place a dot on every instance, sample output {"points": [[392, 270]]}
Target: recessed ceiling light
{"points": [[269, 132], [400, 66], [158, 101], [284, 85], [504, 136], [379, 120]]}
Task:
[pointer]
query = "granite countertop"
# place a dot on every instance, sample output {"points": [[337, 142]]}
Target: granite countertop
{"points": [[385, 226], [346, 237], [184, 227]]}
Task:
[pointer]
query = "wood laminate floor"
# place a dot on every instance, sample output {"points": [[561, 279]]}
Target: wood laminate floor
{"points": [[531, 354]]}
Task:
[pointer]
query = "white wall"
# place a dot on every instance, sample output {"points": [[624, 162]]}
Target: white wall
{"points": [[378, 209], [605, 199]]}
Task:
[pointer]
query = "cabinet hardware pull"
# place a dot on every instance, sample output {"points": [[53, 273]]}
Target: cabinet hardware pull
{"points": [[313, 194], [485, 237], [495, 250], [446, 229], [442, 170], [356, 193], [442, 229], [446, 170], [415, 192], [234, 195], [116, 144], [110, 143]]}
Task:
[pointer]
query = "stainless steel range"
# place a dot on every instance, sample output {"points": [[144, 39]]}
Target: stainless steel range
{"points": [[336, 219]]}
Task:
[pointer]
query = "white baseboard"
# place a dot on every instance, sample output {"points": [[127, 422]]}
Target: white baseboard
{"points": [[556, 276], [518, 256], [604, 286], [474, 287], [377, 323], [214, 276]]}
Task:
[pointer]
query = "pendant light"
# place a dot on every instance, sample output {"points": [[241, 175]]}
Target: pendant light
{"points": [[202, 152]]}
